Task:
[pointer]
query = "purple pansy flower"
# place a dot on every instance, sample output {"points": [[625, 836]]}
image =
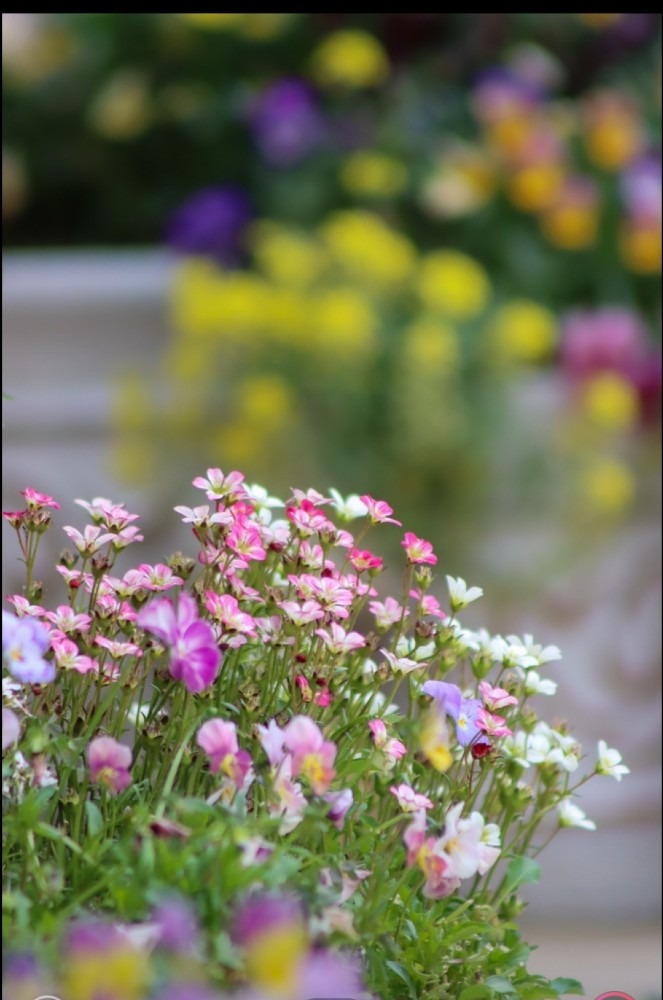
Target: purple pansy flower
{"points": [[195, 656], [109, 763], [464, 711], [285, 122], [24, 642], [212, 222]]}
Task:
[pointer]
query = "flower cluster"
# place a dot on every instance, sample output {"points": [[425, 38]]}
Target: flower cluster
{"points": [[269, 752]]}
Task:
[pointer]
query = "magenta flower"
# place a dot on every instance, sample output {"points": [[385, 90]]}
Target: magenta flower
{"points": [[379, 511], [24, 643], [195, 657], [218, 739], [608, 339], [495, 697], [418, 550], [36, 500], [362, 560], [109, 764]]}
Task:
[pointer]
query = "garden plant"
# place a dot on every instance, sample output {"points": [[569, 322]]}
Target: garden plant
{"points": [[271, 767]]}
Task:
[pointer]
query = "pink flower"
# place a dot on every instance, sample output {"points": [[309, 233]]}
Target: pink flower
{"points": [[118, 649], [272, 739], [428, 605], [221, 487], [362, 560], [195, 657], [245, 540], [338, 641], [114, 515], [494, 725], [409, 800], [495, 697], [311, 496], [312, 756], [418, 550], [200, 516], [23, 608], [219, 741], [291, 802], [461, 840], [109, 764], [125, 536], [379, 511], [302, 614], [159, 577], [68, 657], [308, 520], [388, 613], [35, 500], [394, 748], [225, 609], [66, 619], [401, 664], [92, 539]]}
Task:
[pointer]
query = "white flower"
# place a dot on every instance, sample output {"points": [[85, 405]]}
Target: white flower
{"points": [[407, 647], [260, 497], [572, 815], [515, 748], [534, 684], [609, 762], [464, 637], [542, 654], [461, 595], [348, 508], [510, 654]]}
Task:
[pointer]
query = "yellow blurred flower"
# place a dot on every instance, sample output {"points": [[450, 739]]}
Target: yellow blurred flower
{"points": [[608, 485], [610, 401], [613, 130], [434, 740], [599, 20], [265, 399], [263, 27], [274, 958], [431, 345], [465, 179], [214, 22], [453, 283], [522, 330], [570, 226], [342, 324], [34, 50], [14, 184], [367, 248], [207, 301], [373, 175], [640, 246], [286, 255], [350, 59], [535, 187], [122, 971], [508, 136], [122, 109]]}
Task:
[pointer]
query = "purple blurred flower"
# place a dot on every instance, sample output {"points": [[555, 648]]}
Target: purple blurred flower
{"points": [[330, 974], [195, 656], [340, 803], [178, 927], [499, 92], [24, 642], [464, 711], [609, 339], [11, 727], [91, 937], [212, 223], [641, 189], [285, 122], [109, 763], [261, 914]]}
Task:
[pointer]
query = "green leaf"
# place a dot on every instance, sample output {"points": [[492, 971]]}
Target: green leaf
{"points": [[478, 992], [502, 986], [519, 872], [469, 929], [95, 820], [402, 974], [566, 986]]}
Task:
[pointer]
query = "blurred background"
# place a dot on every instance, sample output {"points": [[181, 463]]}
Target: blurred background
{"points": [[414, 255]]}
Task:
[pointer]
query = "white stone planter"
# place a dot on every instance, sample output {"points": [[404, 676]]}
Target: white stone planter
{"points": [[73, 321]]}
